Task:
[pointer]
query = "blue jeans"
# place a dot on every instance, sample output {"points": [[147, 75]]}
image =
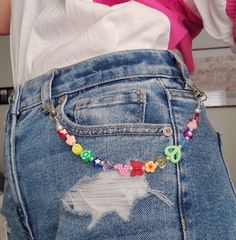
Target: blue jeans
{"points": [[122, 106]]}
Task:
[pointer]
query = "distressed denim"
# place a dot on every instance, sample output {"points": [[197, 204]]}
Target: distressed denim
{"points": [[122, 106]]}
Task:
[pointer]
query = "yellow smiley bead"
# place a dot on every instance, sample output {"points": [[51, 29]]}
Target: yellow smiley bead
{"points": [[77, 149]]}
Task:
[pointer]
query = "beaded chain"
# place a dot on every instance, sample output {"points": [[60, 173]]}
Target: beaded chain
{"points": [[135, 167]]}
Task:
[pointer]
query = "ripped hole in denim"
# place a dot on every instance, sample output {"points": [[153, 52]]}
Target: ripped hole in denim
{"points": [[108, 192]]}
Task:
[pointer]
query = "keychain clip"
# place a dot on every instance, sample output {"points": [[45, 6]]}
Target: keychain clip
{"points": [[199, 94]]}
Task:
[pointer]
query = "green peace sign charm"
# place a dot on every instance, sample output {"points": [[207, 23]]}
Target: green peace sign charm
{"points": [[173, 153]]}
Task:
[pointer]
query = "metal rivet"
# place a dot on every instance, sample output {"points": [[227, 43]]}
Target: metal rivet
{"points": [[140, 94], [168, 131]]}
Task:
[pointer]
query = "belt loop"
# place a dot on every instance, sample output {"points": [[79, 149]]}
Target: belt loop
{"points": [[15, 100], [180, 63], [46, 91]]}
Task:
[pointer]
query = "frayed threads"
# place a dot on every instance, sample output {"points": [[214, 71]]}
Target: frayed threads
{"points": [[108, 192]]}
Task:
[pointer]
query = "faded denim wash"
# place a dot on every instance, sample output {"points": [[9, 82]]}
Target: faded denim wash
{"points": [[119, 105]]}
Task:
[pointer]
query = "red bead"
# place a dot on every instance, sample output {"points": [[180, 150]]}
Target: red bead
{"points": [[62, 133], [137, 168], [195, 117]]}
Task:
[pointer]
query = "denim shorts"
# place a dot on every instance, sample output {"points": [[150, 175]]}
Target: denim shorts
{"points": [[123, 106]]}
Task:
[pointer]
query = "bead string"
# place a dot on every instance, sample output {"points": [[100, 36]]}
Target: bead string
{"points": [[134, 167]]}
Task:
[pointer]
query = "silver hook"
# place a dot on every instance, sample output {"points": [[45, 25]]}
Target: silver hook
{"points": [[201, 95]]}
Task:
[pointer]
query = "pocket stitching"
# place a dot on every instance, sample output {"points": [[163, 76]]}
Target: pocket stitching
{"points": [[186, 94], [87, 130], [139, 96]]}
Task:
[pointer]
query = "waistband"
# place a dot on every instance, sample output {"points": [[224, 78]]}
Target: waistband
{"points": [[94, 71]]}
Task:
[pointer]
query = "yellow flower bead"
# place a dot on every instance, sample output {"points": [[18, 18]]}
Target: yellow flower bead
{"points": [[77, 149], [150, 166]]}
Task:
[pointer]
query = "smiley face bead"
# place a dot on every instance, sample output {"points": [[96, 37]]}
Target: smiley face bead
{"points": [[77, 149]]}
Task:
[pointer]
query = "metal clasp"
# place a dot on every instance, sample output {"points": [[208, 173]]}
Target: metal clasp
{"points": [[199, 94], [51, 110]]}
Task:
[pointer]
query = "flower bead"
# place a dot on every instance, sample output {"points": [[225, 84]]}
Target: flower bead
{"points": [[70, 140], [150, 166], [87, 155], [77, 149]]}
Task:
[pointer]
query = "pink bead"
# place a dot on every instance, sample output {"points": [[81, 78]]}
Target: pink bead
{"points": [[123, 170], [192, 125], [71, 140]]}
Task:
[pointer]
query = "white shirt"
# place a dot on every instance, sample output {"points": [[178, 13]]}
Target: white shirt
{"points": [[50, 34]]}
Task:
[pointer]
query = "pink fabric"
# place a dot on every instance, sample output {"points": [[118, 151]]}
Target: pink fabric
{"points": [[185, 25], [110, 2], [231, 12]]}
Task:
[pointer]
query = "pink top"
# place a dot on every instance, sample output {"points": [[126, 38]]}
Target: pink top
{"points": [[187, 20]]}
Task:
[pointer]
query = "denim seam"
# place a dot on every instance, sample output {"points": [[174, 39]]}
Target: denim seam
{"points": [[219, 138], [30, 105], [109, 79], [12, 139], [115, 100], [148, 133], [176, 140], [71, 125]]}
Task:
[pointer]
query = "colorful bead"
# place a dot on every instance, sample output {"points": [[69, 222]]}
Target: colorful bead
{"points": [[150, 166], [161, 163], [107, 165], [195, 117], [62, 133], [192, 125], [59, 127], [137, 168], [70, 140], [97, 163], [87, 155], [122, 169], [77, 149], [187, 134], [173, 153]]}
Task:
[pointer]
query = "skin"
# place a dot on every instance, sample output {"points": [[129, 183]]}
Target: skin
{"points": [[5, 15]]}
